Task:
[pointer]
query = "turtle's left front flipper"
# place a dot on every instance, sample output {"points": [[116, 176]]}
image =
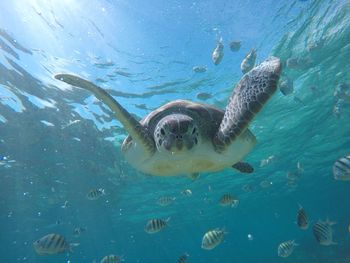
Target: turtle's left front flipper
{"points": [[250, 95], [133, 127]]}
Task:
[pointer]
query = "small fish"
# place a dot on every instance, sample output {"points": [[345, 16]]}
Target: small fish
{"points": [[315, 45], [304, 62], [65, 205], [165, 200], [203, 96], [323, 232], [52, 244], [123, 73], [337, 108], [213, 238], [111, 259], [267, 161], [218, 53], [78, 231], [235, 46], [285, 249], [194, 176], [199, 69], [302, 219], [95, 194], [183, 258], [141, 106], [292, 176], [155, 225], [228, 200], [186, 192], [286, 86], [341, 169], [292, 63], [265, 184], [300, 168], [247, 188], [106, 64], [101, 80], [70, 123], [342, 91], [248, 62]]}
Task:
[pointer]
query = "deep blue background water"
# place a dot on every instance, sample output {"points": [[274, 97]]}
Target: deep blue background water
{"points": [[59, 142]]}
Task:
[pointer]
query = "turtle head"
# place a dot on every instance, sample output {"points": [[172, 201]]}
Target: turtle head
{"points": [[176, 133]]}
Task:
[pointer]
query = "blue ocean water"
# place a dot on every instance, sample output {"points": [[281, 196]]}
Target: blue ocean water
{"points": [[57, 142]]}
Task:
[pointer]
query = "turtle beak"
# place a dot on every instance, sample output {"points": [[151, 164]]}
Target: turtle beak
{"points": [[179, 144], [189, 144], [167, 145], [174, 144]]}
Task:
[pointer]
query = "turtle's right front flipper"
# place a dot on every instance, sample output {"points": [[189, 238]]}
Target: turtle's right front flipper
{"points": [[138, 133], [247, 99]]}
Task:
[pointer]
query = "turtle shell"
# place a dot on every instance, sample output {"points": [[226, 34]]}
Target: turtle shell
{"points": [[207, 117]]}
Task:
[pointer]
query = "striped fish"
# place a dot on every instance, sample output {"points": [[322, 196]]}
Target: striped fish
{"points": [[183, 258], [111, 259], [213, 238], [186, 192], [302, 219], [323, 232], [155, 225], [248, 62], [95, 194], [285, 249], [165, 200], [247, 188], [341, 169], [228, 200], [52, 244]]}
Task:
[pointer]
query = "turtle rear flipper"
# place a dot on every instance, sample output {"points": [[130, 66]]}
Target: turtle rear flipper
{"points": [[243, 167], [194, 176], [134, 128], [247, 99]]}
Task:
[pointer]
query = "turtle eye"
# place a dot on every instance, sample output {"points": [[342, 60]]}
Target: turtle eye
{"points": [[162, 131]]}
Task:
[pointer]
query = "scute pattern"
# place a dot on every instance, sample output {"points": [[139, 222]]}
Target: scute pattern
{"points": [[207, 117], [248, 98]]}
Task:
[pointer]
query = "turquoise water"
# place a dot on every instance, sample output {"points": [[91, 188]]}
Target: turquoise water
{"points": [[58, 142]]}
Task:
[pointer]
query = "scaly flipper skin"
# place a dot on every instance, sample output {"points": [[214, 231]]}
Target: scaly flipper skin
{"points": [[138, 133], [247, 99]]}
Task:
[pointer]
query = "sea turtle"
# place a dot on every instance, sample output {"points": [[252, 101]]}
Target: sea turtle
{"points": [[184, 137]]}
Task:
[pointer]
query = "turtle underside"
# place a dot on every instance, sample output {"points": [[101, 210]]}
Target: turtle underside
{"points": [[203, 158]]}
